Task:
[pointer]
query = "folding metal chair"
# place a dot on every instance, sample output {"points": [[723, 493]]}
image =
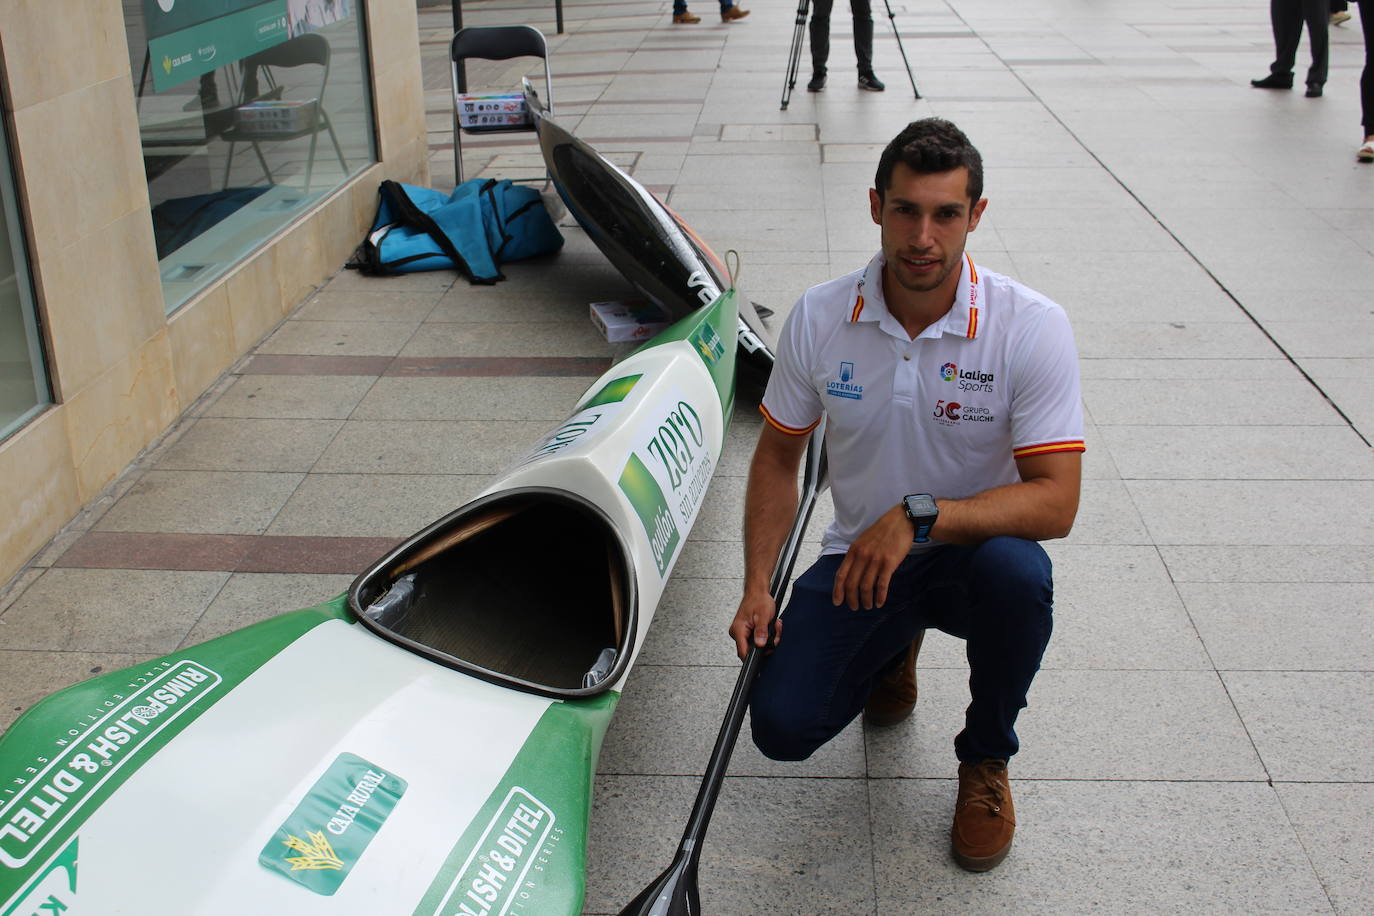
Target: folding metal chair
{"points": [[310, 48], [501, 42]]}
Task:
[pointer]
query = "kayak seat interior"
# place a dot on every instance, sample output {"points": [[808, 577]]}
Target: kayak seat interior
{"points": [[530, 589]]}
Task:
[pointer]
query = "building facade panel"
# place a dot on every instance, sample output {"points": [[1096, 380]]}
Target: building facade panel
{"points": [[129, 354]]}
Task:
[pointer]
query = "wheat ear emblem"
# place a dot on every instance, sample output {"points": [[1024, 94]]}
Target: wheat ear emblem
{"points": [[317, 855]]}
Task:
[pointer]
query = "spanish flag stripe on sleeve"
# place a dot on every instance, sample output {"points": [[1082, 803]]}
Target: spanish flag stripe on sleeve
{"points": [[1046, 448], [784, 428]]}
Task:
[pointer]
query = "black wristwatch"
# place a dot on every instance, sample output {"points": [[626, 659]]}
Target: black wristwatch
{"points": [[921, 509]]}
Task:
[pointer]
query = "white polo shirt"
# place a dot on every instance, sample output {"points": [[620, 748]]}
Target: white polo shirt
{"points": [[948, 413]]}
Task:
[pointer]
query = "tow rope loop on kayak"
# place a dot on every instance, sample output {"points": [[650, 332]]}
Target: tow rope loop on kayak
{"points": [[734, 270]]}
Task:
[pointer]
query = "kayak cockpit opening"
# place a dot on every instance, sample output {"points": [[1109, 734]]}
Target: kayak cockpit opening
{"points": [[533, 589]]}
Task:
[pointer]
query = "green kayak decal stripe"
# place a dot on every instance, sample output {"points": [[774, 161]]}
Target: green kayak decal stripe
{"points": [[612, 392], [51, 890], [91, 757], [71, 751], [495, 871], [703, 330], [330, 829], [588, 421], [646, 496], [525, 852]]}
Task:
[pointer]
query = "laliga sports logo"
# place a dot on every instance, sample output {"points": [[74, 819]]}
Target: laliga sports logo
{"points": [[947, 372]]}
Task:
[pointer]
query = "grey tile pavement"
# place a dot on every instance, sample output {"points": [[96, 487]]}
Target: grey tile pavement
{"points": [[1197, 739]]}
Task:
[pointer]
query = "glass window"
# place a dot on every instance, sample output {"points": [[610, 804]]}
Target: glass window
{"points": [[250, 111], [23, 379]]}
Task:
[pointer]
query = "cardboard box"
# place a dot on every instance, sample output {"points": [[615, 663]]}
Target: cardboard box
{"points": [[633, 320], [275, 117], [492, 111]]}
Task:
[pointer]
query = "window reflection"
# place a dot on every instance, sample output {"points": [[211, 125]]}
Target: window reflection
{"points": [[249, 112], [23, 379]]}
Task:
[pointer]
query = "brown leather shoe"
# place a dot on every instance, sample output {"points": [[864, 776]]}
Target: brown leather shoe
{"points": [[984, 818], [895, 695], [685, 18], [731, 13]]}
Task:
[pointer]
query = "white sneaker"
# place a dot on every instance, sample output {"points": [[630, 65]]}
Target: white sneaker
{"points": [[1339, 16], [1366, 152]]}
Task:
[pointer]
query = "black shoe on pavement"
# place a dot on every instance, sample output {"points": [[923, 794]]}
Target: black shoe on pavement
{"points": [[817, 82], [1273, 81], [871, 83]]}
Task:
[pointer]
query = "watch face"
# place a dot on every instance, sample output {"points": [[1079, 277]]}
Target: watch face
{"points": [[920, 505]]}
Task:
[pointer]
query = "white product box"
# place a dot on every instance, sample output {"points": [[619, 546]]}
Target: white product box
{"points": [[492, 110], [634, 320], [275, 117]]}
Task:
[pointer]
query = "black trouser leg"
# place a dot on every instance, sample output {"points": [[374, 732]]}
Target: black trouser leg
{"points": [[863, 34], [1317, 16], [1367, 77], [1285, 16], [820, 35]]}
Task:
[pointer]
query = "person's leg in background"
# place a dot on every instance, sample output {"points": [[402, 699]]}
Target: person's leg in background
{"points": [[820, 42], [1285, 17], [1366, 152], [1314, 13], [863, 45]]}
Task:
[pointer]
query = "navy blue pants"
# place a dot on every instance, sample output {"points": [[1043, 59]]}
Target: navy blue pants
{"points": [[998, 596]]}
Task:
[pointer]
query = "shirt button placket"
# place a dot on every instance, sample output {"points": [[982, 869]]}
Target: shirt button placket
{"points": [[904, 381]]}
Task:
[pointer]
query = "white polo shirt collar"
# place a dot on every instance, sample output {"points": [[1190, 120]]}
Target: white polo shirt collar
{"points": [[866, 304]]}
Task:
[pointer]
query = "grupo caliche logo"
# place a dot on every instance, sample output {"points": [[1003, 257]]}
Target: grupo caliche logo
{"points": [[952, 412]]}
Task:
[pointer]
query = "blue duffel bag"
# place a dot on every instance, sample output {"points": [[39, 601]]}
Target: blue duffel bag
{"points": [[482, 224]]}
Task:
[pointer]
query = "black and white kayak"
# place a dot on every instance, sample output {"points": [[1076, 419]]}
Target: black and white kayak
{"points": [[646, 241], [423, 744]]}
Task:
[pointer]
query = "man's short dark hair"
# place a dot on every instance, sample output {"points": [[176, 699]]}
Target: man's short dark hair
{"points": [[927, 146]]}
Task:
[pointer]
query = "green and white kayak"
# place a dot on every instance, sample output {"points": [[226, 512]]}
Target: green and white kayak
{"points": [[423, 744]]}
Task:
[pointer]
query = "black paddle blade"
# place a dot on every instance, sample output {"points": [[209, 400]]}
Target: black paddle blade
{"points": [[673, 893]]}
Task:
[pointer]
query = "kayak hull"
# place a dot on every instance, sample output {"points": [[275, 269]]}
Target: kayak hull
{"points": [[334, 760], [645, 240]]}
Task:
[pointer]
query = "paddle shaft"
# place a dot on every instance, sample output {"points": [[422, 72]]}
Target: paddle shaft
{"points": [[813, 482]]}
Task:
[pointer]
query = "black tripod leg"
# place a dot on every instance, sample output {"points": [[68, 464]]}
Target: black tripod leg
{"points": [[794, 56], [892, 18]]}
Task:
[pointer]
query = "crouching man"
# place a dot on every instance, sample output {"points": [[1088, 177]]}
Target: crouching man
{"points": [[955, 434]]}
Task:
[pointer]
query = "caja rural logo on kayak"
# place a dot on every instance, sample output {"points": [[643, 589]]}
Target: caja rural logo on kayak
{"points": [[333, 824], [53, 788]]}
